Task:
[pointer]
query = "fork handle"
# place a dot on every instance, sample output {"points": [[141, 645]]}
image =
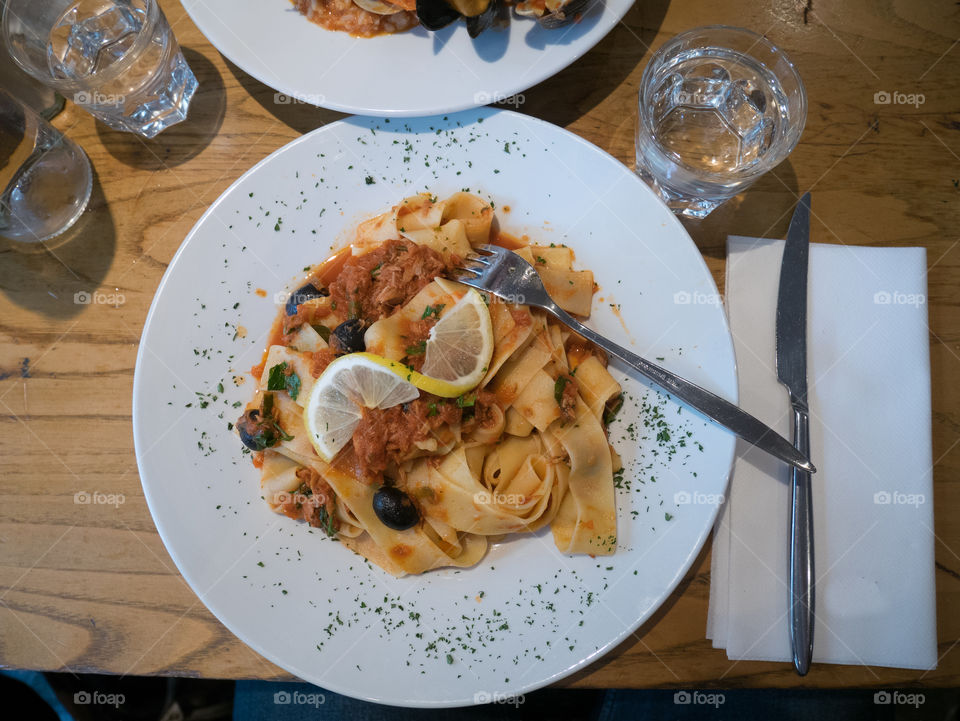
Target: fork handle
{"points": [[711, 405]]}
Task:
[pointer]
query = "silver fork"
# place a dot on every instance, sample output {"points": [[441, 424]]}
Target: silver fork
{"points": [[509, 277]]}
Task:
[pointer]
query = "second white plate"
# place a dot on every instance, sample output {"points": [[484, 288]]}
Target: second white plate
{"points": [[414, 73]]}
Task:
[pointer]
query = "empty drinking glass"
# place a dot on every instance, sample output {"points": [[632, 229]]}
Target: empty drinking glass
{"points": [[45, 178], [718, 107], [117, 59]]}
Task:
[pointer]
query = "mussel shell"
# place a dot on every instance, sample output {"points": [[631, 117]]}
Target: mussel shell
{"points": [[435, 14], [563, 14], [479, 23]]}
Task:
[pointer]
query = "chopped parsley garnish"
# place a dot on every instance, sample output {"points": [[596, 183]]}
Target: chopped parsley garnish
{"points": [[558, 389], [610, 412], [432, 310], [326, 521], [280, 380], [322, 331], [432, 410], [541, 260], [418, 348], [275, 381], [466, 401]]}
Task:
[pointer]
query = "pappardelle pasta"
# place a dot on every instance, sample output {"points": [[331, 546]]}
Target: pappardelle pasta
{"points": [[431, 481]]}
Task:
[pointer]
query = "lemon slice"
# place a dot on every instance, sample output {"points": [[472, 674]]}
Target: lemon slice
{"points": [[459, 348], [347, 386]]}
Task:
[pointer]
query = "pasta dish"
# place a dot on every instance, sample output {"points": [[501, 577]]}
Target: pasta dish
{"points": [[417, 420]]}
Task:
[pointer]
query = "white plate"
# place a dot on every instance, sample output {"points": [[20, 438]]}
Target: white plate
{"points": [[526, 615], [409, 74]]}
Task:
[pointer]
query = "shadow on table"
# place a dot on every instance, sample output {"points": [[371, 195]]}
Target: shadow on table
{"points": [[180, 142], [59, 277], [577, 89], [293, 112], [762, 211]]}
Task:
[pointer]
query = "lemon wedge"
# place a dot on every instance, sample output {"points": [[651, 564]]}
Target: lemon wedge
{"points": [[459, 348], [348, 385], [457, 355]]}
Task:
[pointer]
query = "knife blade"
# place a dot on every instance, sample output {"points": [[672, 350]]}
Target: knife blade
{"points": [[792, 373]]}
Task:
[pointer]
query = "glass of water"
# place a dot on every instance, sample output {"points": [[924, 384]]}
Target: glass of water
{"points": [[718, 107], [45, 178], [117, 59]]}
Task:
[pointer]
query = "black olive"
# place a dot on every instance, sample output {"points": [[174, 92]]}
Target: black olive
{"points": [[302, 295], [248, 426], [395, 509], [348, 337], [258, 432]]}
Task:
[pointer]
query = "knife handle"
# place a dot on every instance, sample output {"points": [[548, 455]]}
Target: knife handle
{"points": [[801, 551]]}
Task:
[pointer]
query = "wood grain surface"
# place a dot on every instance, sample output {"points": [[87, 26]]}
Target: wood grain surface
{"points": [[91, 588]]}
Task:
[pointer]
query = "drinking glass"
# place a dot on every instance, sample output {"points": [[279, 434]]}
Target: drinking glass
{"points": [[117, 59], [718, 107], [45, 178]]}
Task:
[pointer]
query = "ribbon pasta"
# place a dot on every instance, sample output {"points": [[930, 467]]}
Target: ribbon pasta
{"points": [[539, 458]]}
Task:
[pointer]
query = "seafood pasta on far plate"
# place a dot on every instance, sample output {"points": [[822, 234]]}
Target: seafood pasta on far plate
{"points": [[375, 17]]}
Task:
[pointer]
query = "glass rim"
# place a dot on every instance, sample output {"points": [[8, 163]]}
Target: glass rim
{"points": [[110, 73], [792, 136]]}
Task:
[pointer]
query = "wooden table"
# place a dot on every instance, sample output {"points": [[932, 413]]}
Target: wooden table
{"points": [[91, 588]]}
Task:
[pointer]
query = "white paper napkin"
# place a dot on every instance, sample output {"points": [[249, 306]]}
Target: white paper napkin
{"points": [[869, 397]]}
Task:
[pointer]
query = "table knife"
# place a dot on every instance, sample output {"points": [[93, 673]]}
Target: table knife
{"points": [[792, 373]]}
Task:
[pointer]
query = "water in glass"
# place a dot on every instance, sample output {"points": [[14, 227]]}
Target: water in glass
{"points": [[153, 88], [712, 119]]}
